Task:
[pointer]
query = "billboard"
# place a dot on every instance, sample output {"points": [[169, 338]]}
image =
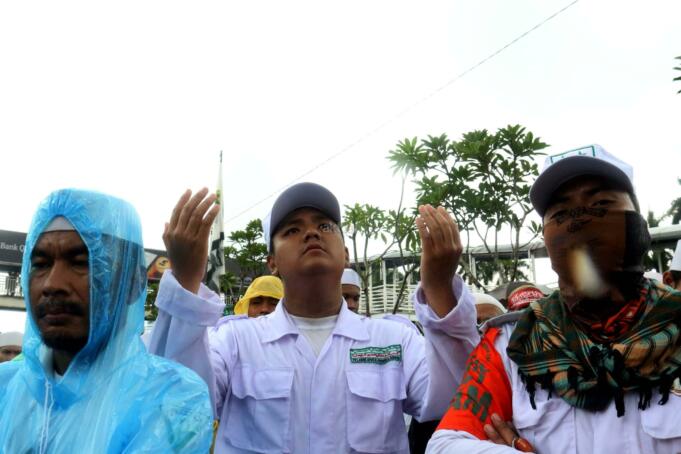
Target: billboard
{"points": [[12, 251]]}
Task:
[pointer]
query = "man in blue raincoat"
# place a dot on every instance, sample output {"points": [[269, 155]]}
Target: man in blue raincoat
{"points": [[87, 384]]}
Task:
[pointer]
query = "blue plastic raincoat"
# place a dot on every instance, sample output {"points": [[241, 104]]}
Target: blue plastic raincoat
{"points": [[114, 397]]}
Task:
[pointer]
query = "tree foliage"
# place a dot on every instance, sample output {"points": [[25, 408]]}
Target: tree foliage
{"points": [[249, 251], [364, 224], [366, 227], [674, 211], [655, 259], [484, 180], [150, 309]]}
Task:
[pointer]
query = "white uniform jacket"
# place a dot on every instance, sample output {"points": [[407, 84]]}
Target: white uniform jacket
{"points": [[555, 427], [272, 394]]}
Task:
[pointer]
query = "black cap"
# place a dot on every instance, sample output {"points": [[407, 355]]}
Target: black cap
{"points": [[301, 195]]}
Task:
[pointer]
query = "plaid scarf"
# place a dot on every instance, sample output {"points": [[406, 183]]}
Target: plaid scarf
{"points": [[552, 351]]}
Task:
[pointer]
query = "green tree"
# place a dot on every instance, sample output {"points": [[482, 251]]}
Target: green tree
{"points": [[674, 211], [487, 270], [655, 259], [400, 224], [248, 250], [484, 180], [363, 225], [230, 285], [150, 309]]}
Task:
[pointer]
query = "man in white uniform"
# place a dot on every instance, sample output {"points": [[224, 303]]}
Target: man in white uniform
{"points": [[590, 368], [351, 286], [314, 377]]}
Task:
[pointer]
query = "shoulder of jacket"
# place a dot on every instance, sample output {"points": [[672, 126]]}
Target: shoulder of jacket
{"points": [[231, 318], [501, 320]]}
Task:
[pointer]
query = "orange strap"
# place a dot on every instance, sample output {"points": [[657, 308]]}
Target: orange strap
{"points": [[484, 390]]}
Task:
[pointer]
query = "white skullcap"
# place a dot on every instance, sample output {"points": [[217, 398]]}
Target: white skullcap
{"points": [[676, 260], [59, 224], [652, 274], [351, 277], [11, 338], [483, 298]]}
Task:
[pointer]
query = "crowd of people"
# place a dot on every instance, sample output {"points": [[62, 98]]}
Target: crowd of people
{"points": [[593, 366]]}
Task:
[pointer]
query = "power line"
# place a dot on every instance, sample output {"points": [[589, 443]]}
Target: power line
{"points": [[404, 111]]}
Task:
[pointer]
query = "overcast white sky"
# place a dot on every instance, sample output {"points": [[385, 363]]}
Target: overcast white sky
{"points": [[138, 98]]}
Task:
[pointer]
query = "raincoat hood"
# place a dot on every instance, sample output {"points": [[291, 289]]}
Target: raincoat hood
{"points": [[112, 384]]}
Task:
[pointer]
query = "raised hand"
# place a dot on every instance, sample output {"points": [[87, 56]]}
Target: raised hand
{"points": [[441, 249], [186, 237]]}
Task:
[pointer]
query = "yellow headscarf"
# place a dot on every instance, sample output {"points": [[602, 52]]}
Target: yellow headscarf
{"points": [[270, 286]]}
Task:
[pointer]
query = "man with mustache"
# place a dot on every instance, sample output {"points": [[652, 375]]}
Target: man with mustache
{"points": [[313, 376], [87, 384], [590, 368]]}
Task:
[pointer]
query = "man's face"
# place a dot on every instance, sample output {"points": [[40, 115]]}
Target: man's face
{"points": [[261, 305], [587, 191], [351, 294], [486, 311], [59, 290], [9, 352], [307, 243]]}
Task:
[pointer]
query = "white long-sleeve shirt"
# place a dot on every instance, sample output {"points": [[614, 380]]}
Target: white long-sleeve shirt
{"points": [[556, 427], [273, 394]]}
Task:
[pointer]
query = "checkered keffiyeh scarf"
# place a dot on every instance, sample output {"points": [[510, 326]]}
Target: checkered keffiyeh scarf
{"points": [[550, 350]]}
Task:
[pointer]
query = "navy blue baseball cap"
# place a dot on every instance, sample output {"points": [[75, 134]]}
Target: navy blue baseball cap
{"points": [[301, 195]]}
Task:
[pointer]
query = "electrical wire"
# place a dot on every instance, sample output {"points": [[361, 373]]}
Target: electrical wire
{"points": [[404, 111]]}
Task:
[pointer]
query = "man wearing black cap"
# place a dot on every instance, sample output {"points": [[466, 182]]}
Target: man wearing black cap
{"points": [[314, 377], [591, 367]]}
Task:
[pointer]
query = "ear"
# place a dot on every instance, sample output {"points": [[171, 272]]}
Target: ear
{"points": [[667, 278], [272, 265], [347, 257]]}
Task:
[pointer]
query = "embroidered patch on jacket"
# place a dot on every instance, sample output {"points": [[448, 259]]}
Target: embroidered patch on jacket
{"points": [[376, 355]]}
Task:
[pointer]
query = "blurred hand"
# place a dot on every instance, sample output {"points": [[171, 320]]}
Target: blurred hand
{"points": [[186, 237], [503, 433], [441, 249]]}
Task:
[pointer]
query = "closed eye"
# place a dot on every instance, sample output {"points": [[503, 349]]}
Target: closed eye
{"points": [[79, 261], [39, 264]]}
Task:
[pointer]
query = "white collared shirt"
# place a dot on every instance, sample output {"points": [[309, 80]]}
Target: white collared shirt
{"points": [[273, 394], [556, 427]]}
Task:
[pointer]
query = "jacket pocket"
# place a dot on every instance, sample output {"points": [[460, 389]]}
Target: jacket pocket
{"points": [[661, 424], [375, 422], [259, 409]]}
